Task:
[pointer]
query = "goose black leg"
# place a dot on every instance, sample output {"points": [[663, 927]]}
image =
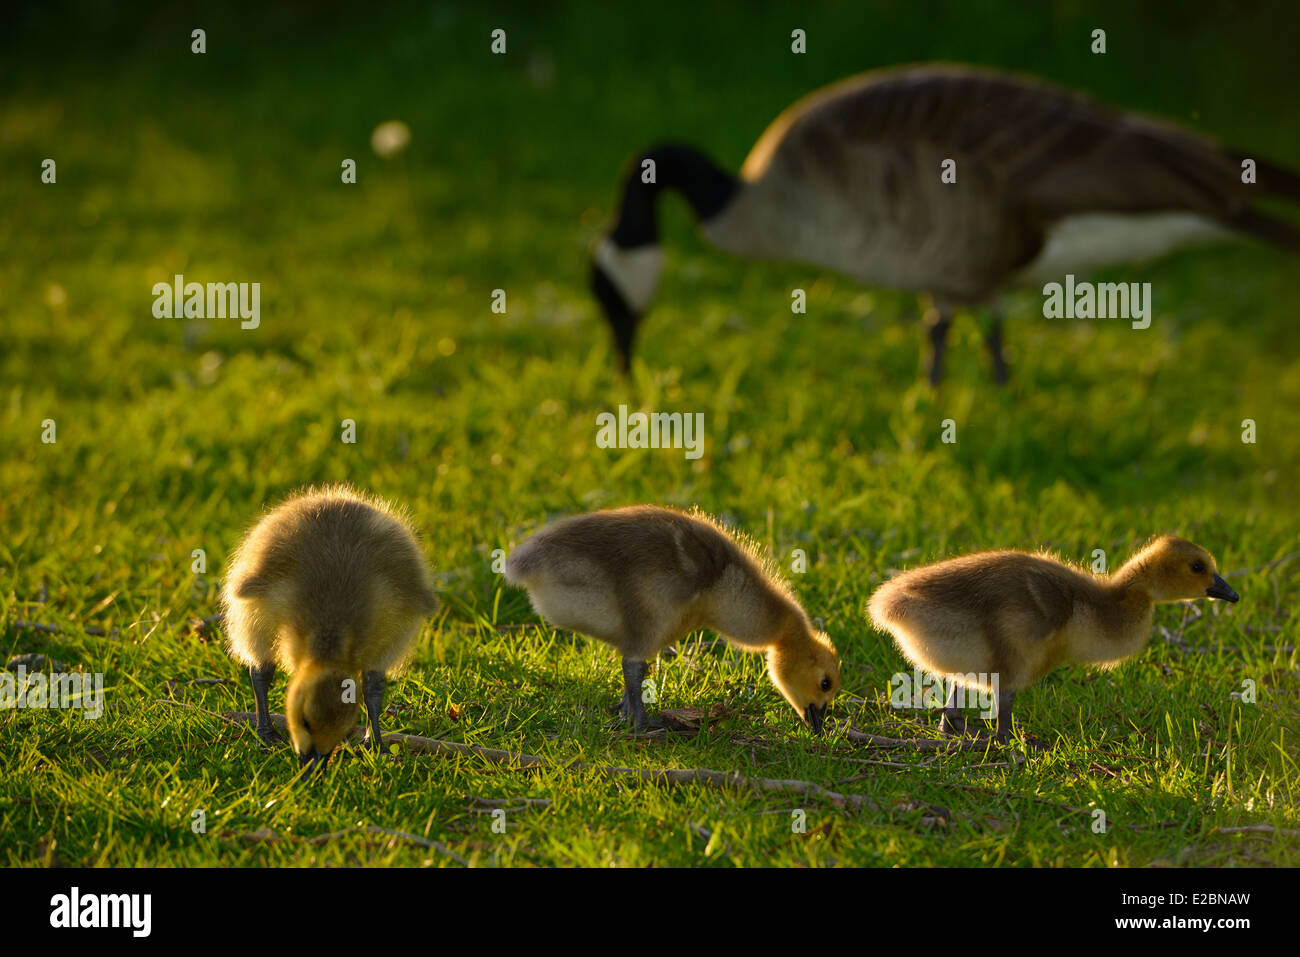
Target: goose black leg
{"points": [[372, 690], [260, 677], [993, 339], [952, 721], [939, 320], [1005, 700], [633, 708]]}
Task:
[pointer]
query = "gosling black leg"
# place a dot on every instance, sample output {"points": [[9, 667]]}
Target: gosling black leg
{"points": [[633, 707], [952, 721], [373, 694], [940, 321], [1005, 700], [993, 339], [260, 677]]}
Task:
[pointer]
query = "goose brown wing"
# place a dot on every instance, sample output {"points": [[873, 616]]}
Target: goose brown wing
{"points": [[1038, 148]]}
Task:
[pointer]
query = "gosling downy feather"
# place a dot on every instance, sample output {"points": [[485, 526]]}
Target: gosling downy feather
{"points": [[848, 179], [331, 585], [640, 578], [1001, 620]]}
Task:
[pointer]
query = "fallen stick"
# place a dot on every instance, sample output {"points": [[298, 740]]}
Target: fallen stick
{"points": [[413, 742], [704, 776], [732, 779], [513, 804], [917, 744], [1260, 829], [93, 630]]}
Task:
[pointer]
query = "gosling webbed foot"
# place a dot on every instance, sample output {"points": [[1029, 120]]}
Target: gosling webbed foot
{"points": [[271, 738], [621, 707], [632, 707], [260, 677], [1005, 700], [646, 723], [952, 721], [372, 692], [634, 713]]}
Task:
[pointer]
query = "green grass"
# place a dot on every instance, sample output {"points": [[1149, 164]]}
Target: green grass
{"points": [[173, 435]]}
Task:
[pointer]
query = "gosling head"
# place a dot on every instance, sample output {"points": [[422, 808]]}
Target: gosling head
{"points": [[321, 708], [1174, 569], [807, 673]]}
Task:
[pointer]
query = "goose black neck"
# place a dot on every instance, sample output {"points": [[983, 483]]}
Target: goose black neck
{"points": [[707, 187]]}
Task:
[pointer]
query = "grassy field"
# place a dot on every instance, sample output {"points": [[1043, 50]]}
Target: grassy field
{"points": [[172, 435]]}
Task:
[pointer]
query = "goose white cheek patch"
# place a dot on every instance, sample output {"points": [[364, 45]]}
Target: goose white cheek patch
{"points": [[634, 272]]}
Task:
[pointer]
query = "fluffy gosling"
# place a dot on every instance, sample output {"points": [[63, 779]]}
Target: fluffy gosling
{"points": [[1002, 620], [643, 577], [332, 585]]}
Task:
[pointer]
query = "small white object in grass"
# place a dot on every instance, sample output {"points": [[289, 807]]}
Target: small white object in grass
{"points": [[390, 138]]}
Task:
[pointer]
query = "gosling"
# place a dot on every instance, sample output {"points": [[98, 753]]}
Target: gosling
{"points": [[1002, 620], [640, 578], [331, 585]]}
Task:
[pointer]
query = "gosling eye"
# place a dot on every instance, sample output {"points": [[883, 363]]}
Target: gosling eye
{"points": [[306, 725], [1198, 567], [826, 684]]}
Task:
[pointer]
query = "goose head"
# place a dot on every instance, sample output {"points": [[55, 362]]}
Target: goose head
{"points": [[321, 709], [1174, 569], [626, 263], [807, 673]]}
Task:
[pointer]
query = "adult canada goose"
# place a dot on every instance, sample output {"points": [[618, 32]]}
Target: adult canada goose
{"points": [[849, 178], [332, 585], [1001, 620], [643, 577]]}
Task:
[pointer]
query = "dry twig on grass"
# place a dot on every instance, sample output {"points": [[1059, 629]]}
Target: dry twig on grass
{"points": [[704, 776], [918, 744], [1259, 829]]}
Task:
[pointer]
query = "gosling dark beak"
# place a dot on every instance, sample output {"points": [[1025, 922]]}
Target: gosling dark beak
{"points": [[313, 758], [622, 320], [816, 717], [1221, 589]]}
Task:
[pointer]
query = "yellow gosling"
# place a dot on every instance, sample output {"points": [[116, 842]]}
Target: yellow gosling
{"points": [[331, 585], [643, 577], [1001, 620]]}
